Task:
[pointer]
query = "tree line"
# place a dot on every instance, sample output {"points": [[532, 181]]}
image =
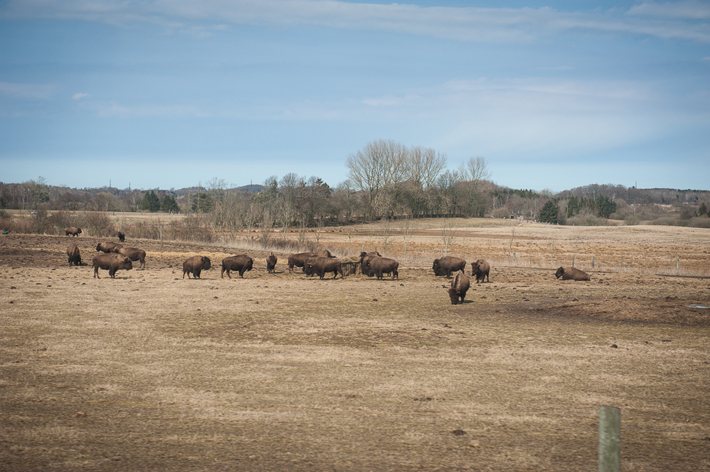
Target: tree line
{"points": [[385, 180]]}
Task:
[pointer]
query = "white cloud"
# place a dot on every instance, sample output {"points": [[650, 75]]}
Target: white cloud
{"points": [[80, 95], [494, 25]]}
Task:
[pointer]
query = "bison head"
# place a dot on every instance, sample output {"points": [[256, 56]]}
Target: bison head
{"points": [[559, 272]]}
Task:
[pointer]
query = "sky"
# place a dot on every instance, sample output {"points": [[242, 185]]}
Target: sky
{"points": [[176, 93]]}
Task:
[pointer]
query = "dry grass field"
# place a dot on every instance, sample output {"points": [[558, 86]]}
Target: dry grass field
{"points": [[150, 371]]}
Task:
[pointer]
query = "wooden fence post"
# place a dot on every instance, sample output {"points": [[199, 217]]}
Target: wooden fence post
{"points": [[609, 439]]}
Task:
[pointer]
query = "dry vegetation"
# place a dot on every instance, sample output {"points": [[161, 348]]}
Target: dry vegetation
{"points": [[148, 371]]}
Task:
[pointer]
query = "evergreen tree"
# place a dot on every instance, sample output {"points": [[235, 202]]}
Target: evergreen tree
{"points": [[150, 202], [605, 206], [202, 203], [703, 210], [549, 212], [169, 205]]}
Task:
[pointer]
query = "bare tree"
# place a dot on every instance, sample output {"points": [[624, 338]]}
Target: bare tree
{"points": [[424, 166], [405, 228], [447, 235]]}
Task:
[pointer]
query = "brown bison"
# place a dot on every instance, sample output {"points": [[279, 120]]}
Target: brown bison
{"points": [[73, 254], [459, 287], [480, 269], [298, 260], [241, 263], [110, 262], [194, 265], [321, 265], [121, 236], [108, 247], [571, 274], [324, 253], [365, 257], [380, 265], [448, 265], [134, 254], [74, 231], [271, 263]]}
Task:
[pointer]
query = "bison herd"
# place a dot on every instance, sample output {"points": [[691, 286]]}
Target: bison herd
{"points": [[116, 257]]}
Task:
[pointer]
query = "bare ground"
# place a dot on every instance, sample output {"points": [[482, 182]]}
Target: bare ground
{"points": [[149, 371]]}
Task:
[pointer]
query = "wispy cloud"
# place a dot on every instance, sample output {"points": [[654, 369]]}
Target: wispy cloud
{"points": [[685, 20], [27, 91], [80, 96]]}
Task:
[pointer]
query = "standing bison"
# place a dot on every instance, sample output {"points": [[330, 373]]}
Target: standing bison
{"points": [[297, 260], [74, 231], [134, 254], [321, 265], [448, 265], [571, 274], [459, 287], [195, 265], [73, 254], [121, 236], [380, 265], [240, 263], [110, 262], [108, 247], [271, 263], [480, 269]]}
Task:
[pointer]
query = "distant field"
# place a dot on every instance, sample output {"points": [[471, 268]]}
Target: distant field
{"points": [[150, 371]]}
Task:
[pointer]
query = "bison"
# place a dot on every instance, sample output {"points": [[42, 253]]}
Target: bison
{"points": [[134, 254], [459, 286], [74, 231], [480, 269], [320, 265], [380, 265], [121, 236], [298, 260], [110, 262], [365, 257], [271, 263], [241, 263], [324, 253], [571, 274], [108, 247], [448, 265], [194, 265], [73, 254]]}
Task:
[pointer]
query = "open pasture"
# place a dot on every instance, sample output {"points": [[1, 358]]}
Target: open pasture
{"points": [[149, 371]]}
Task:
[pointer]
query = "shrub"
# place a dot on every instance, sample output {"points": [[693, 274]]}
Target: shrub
{"points": [[97, 223]]}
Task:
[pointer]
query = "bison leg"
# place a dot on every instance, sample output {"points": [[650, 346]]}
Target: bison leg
{"points": [[96, 272]]}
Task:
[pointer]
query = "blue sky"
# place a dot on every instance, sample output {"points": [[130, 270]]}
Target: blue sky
{"points": [[174, 93]]}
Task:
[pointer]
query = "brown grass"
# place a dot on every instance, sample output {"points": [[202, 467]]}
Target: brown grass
{"points": [[283, 372]]}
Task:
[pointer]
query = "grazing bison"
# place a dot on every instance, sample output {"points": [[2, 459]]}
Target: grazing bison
{"points": [[134, 254], [74, 231], [241, 263], [108, 247], [480, 269], [571, 274], [459, 287], [110, 262], [271, 263], [121, 236], [448, 265], [320, 265], [380, 265], [297, 260], [194, 265], [73, 254]]}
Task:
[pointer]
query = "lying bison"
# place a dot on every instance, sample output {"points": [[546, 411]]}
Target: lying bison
{"points": [[480, 269], [324, 253], [271, 263], [321, 265], [297, 260], [134, 254], [380, 265], [73, 254], [459, 287], [240, 263], [74, 231], [108, 247], [110, 262], [571, 274], [195, 265], [121, 236], [448, 265]]}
